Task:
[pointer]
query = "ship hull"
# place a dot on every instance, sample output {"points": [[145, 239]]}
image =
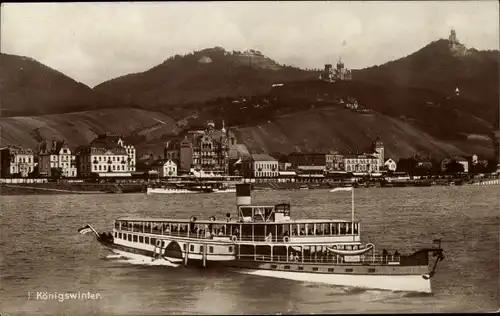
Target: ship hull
{"points": [[405, 283], [384, 277]]}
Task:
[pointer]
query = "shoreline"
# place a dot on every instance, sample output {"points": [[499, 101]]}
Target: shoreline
{"points": [[61, 189]]}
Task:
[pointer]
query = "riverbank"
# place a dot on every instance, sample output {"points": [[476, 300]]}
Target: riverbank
{"points": [[69, 188], [100, 188]]}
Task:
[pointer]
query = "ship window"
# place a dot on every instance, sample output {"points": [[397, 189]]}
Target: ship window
{"points": [[330, 269], [348, 270], [273, 266], [231, 249], [211, 249], [191, 248], [184, 247], [146, 240], [371, 270], [135, 238], [116, 234], [120, 235], [301, 268], [315, 269], [287, 267], [141, 239], [201, 249], [153, 241], [129, 237]]}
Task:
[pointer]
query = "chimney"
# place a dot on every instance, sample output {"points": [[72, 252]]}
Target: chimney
{"points": [[54, 144], [243, 194]]}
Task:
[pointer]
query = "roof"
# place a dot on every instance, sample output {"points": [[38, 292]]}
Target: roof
{"points": [[363, 156], [161, 162], [105, 142], [49, 148], [260, 157], [223, 221], [14, 149]]}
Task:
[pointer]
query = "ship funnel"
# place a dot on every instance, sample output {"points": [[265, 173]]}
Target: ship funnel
{"points": [[243, 194]]}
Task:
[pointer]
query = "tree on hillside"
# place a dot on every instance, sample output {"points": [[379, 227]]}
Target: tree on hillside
{"points": [[454, 167], [407, 165]]}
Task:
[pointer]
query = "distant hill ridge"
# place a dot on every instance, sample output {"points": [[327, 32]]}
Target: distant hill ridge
{"points": [[28, 87]]}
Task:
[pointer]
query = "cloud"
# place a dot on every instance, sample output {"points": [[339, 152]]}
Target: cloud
{"points": [[94, 42]]}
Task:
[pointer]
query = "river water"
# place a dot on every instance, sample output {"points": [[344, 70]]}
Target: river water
{"points": [[41, 251]]}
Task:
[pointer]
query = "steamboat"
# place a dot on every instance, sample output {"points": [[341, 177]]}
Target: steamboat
{"points": [[264, 240]]}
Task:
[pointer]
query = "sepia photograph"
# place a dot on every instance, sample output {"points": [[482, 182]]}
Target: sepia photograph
{"points": [[249, 157]]}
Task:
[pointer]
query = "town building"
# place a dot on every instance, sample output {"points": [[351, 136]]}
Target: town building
{"points": [[56, 158], [106, 155], [361, 163], [379, 152], [390, 165], [208, 150], [334, 162], [260, 166], [16, 161], [165, 168]]}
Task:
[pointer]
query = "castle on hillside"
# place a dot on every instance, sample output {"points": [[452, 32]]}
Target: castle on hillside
{"points": [[456, 48], [340, 73]]}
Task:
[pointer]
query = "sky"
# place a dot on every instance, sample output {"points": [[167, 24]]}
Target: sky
{"points": [[95, 42]]}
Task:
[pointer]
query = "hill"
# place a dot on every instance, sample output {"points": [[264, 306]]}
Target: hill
{"points": [[347, 131], [28, 87], [200, 76], [79, 128], [441, 68]]}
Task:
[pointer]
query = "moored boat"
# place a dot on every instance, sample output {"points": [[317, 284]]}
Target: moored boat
{"points": [[179, 188], [264, 240]]}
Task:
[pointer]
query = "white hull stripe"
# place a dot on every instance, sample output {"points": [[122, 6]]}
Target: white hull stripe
{"points": [[407, 283]]}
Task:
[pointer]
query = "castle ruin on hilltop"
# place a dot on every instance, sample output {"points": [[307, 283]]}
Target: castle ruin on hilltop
{"points": [[340, 73], [456, 48]]}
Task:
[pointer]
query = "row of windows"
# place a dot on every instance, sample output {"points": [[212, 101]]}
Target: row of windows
{"points": [[152, 241], [361, 167], [105, 168], [315, 269], [23, 159], [361, 161], [265, 174], [112, 158]]}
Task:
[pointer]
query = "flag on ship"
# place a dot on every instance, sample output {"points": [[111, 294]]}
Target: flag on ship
{"points": [[341, 189], [85, 229], [436, 241]]}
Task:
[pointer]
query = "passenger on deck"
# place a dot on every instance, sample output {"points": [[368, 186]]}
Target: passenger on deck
{"points": [[294, 233], [396, 255], [269, 237], [291, 257], [221, 233], [228, 217], [385, 254], [167, 230]]}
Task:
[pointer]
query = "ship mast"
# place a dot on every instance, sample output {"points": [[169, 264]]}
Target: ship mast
{"points": [[352, 212]]}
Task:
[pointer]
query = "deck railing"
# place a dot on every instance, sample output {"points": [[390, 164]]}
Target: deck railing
{"points": [[364, 259]]}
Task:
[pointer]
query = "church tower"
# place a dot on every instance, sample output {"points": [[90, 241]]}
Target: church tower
{"points": [[378, 148]]}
